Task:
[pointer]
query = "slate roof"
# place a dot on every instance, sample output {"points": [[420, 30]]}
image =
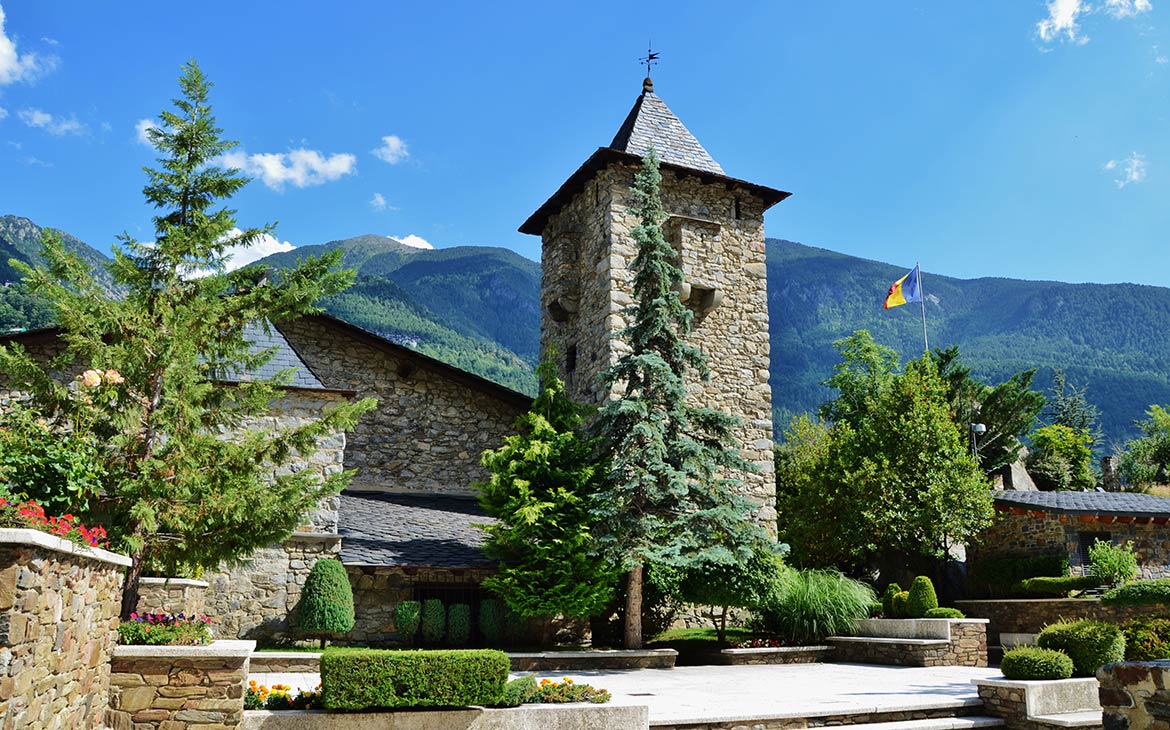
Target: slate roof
{"points": [[286, 358], [652, 123], [411, 530], [1116, 504]]}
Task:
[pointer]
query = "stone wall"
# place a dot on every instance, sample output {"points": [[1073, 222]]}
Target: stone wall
{"points": [[172, 595], [1033, 532], [58, 619], [1042, 704], [432, 422], [258, 599], [966, 647], [1029, 615], [378, 589], [179, 687], [1135, 695], [586, 257]]}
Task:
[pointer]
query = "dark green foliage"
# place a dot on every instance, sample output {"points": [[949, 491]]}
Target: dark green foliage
{"points": [[747, 583], [407, 616], [1061, 459], [491, 621], [1069, 406], [50, 463], [921, 597], [519, 691], [812, 604], [538, 489], [1112, 564], [166, 631], [901, 605], [458, 624], [434, 621], [1060, 585], [940, 612], [1089, 643], [876, 609], [1001, 577], [1146, 639], [892, 590], [1139, 593], [668, 494], [327, 600], [1146, 460], [1030, 662], [366, 679]]}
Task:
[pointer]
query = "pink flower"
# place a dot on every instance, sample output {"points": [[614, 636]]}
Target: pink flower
{"points": [[91, 378], [114, 377]]}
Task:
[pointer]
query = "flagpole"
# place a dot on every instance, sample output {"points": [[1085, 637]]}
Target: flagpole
{"points": [[922, 301]]}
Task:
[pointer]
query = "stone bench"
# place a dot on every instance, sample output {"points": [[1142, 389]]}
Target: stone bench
{"points": [[933, 642], [1035, 704], [775, 655]]}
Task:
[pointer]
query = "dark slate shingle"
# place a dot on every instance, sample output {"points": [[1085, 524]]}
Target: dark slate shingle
{"points": [[409, 529], [285, 358], [652, 123], [1101, 503]]}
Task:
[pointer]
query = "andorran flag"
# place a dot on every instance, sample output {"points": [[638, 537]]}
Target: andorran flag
{"points": [[905, 290]]}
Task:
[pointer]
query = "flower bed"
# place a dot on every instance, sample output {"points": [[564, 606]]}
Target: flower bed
{"points": [[32, 515], [164, 629]]}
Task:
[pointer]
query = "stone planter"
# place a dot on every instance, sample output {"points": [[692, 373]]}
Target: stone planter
{"points": [[580, 716], [1033, 704], [179, 687], [172, 595], [925, 642], [775, 655]]}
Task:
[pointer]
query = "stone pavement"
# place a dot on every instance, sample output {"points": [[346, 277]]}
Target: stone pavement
{"points": [[710, 694]]}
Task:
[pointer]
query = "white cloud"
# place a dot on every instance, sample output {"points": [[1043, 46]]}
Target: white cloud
{"points": [[1130, 170], [392, 151], [300, 168], [1127, 8], [264, 245], [56, 126], [141, 128], [3, 113], [1062, 22], [378, 202], [16, 66], [413, 240]]}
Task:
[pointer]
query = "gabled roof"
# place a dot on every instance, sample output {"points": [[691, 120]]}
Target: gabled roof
{"points": [[1101, 504], [422, 530], [652, 124]]}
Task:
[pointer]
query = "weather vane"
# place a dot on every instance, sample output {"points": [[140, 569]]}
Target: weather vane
{"points": [[650, 60]]}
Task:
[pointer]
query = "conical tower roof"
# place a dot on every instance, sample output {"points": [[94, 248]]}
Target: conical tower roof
{"points": [[651, 123]]}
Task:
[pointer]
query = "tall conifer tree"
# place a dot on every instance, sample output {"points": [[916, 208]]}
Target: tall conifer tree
{"points": [[667, 497], [186, 472]]}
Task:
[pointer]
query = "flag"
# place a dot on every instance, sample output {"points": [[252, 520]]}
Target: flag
{"points": [[905, 290]]}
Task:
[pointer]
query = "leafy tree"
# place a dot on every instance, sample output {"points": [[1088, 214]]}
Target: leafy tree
{"points": [[539, 489], [1146, 460], [865, 370], [1061, 458], [667, 496], [749, 582], [327, 601], [176, 491]]}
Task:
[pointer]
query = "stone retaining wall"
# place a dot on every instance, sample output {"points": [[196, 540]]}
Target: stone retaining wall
{"points": [[1135, 695], [526, 717], [1027, 704], [285, 661], [172, 595], [776, 655], [179, 687], [58, 618], [557, 661], [966, 647], [1029, 615]]}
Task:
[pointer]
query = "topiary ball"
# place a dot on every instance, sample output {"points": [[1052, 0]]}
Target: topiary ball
{"points": [[1090, 644], [892, 590], [922, 597], [900, 605], [327, 600], [1031, 662]]}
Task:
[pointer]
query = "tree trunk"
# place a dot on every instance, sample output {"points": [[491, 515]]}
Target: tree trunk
{"points": [[723, 626], [130, 587], [633, 635]]}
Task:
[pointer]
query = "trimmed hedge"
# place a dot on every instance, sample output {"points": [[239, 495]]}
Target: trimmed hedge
{"points": [[327, 600], [366, 679], [921, 597], [491, 621], [944, 613], [1030, 662], [1138, 593], [458, 624], [407, 616], [1089, 643], [1000, 577], [434, 621], [1062, 584], [1146, 639]]}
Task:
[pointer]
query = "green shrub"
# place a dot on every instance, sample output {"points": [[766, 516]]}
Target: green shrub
{"points": [[1089, 643], [1146, 639], [901, 605], [407, 615], [491, 621], [1061, 585], [812, 604], [1113, 564], [944, 613], [892, 590], [327, 600], [1138, 593], [921, 597], [364, 679], [1031, 662], [434, 621], [458, 624], [519, 691], [876, 609], [1000, 577]]}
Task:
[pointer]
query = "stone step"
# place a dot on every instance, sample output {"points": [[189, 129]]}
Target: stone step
{"points": [[966, 722], [1084, 718]]}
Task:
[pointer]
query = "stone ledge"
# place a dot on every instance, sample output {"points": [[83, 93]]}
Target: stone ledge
{"points": [[885, 640], [883, 714], [1047, 697], [774, 650], [1087, 718], [527, 717], [182, 582], [313, 537], [28, 536], [224, 648]]}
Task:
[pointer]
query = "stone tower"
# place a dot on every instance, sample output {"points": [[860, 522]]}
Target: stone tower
{"points": [[715, 222]]}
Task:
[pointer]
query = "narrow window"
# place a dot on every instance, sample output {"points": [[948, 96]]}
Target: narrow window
{"points": [[571, 359], [738, 209]]}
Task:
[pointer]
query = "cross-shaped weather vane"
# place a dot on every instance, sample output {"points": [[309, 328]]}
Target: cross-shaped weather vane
{"points": [[650, 60]]}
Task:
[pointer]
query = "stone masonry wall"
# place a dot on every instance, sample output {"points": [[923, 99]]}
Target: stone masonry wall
{"points": [[1029, 615], [58, 618], [378, 589], [258, 599], [966, 648], [587, 281], [1135, 695], [1032, 532], [428, 430], [172, 595]]}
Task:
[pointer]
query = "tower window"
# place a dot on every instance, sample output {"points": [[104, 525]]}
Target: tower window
{"points": [[571, 359], [738, 209]]}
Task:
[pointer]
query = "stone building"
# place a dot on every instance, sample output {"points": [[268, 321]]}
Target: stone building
{"points": [[715, 222]]}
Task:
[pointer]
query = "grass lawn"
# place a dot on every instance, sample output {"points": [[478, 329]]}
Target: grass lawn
{"points": [[303, 649], [697, 645]]}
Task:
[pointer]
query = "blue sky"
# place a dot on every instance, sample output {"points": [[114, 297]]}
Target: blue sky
{"points": [[1018, 138]]}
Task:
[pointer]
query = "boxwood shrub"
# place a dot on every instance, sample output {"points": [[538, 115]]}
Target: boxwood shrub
{"points": [[458, 624], [1089, 643], [892, 590], [407, 615], [491, 621], [1138, 593], [1146, 639], [921, 597], [1060, 584], [944, 613], [1032, 662], [434, 621], [365, 679]]}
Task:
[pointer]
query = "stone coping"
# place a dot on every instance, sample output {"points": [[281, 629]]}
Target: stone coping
{"points": [[313, 536], [774, 649], [1032, 683], [174, 582], [1050, 697], [889, 640], [594, 653], [911, 628], [221, 649], [572, 716], [1024, 600], [29, 536]]}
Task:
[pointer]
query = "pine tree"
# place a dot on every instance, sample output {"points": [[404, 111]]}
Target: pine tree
{"points": [[667, 496], [176, 489], [538, 490]]}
